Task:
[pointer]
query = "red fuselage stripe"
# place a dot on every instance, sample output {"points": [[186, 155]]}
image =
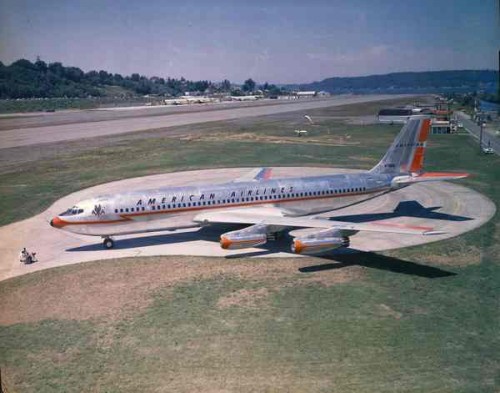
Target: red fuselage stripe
{"points": [[127, 217]]}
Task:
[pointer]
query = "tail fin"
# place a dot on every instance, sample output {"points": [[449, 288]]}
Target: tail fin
{"points": [[406, 154]]}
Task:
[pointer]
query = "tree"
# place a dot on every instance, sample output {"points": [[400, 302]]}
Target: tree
{"points": [[248, 85], [41, 65], [225, 85], [57, 68]]}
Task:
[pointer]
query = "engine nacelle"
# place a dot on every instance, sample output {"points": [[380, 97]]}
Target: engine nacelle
{"points": [[253, 236], [319, 242]]}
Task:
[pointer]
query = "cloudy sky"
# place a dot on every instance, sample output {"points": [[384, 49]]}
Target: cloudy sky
{"points": [[275, 41]]}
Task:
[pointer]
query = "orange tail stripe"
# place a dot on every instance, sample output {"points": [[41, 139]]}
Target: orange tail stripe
{"points": [[418, 158], [424, 131]]}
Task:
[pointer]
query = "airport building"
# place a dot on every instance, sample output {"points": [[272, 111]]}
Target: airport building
{"points": [[306, 94], [394, 115]]}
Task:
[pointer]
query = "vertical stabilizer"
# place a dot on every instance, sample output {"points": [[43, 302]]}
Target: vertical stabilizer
{"points": [[406, 154]]}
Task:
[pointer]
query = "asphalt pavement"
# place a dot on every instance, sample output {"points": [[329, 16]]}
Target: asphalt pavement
{"points": [[24, 136]]}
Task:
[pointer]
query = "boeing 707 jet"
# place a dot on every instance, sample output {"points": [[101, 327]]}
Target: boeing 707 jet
{"points": [[268, 206]]}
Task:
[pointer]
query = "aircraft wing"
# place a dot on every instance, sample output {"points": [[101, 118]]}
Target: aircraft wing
{"points": [[252, 216], [256, 174]]}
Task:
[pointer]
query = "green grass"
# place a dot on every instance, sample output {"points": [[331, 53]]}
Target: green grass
{"points": [[57, 104], [43, 105], [438, 335]]}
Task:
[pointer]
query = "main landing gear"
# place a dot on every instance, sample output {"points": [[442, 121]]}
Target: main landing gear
{"points": [[108, 243]]}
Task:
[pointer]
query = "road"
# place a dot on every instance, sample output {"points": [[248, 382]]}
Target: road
{"points": [[25, 136], [488, 139]]}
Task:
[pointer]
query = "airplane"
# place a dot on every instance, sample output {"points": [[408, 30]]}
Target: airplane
{"points": [[265, 205], [300, 133]]}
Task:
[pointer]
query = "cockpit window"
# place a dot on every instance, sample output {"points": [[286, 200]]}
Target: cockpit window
{"points": [[72, 211]]}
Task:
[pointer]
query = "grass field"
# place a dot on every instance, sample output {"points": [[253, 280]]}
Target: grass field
{"points": [[57, 104], [413, 320]]}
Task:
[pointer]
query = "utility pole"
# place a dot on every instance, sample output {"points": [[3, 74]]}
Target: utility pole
{"points": [[481, 133]]}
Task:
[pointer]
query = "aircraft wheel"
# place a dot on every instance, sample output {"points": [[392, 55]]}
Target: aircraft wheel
{"points": [[108, 243]]}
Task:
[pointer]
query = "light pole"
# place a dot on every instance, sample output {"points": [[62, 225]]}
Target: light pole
{"points": [[481, 133]]}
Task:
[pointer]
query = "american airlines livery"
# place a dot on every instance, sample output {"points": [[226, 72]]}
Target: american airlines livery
{"points": [[266, 205]]}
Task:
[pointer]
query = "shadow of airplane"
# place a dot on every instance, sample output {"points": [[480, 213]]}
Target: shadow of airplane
{"points": [[352, 257], [204, 233], [338, 259], [403, 209]]}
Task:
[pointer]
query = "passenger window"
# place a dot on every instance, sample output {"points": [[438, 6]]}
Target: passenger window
{"points": [[116, 210], [121, 210]]}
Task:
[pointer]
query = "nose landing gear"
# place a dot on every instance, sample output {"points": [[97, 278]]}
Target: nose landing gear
{"points": [[108, 243]]}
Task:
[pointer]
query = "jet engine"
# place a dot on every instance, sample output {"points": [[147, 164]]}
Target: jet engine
{"points": [[255, 235], [319, 242]]}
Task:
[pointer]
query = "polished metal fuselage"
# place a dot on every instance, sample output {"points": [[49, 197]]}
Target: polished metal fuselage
{"points": [[175, 207]]}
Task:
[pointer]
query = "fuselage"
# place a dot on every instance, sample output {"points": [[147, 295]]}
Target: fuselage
{"points": [[175, 207]]}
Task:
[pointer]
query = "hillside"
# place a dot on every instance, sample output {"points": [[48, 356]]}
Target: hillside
{"points": [[410, 82], [24, 79]]}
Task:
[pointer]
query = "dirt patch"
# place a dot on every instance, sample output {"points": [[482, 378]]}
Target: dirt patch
{"points": [[386, 311], [332, 277], [244, 298], [116, 288], [250, 137], [463, 256]]}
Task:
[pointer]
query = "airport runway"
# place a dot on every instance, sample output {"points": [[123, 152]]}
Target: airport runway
{"points": [[445, 206], [141, 120]]}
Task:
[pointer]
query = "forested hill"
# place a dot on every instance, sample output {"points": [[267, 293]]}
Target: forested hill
{"points": [[401, 82], [24, 79]]}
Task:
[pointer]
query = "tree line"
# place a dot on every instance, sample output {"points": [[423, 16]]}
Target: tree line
{"points": [[24, 79]]}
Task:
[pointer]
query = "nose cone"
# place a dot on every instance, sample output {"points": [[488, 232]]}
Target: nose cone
{"points": [[56, 222]]}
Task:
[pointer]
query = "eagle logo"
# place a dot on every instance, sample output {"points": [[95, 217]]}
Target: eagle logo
{"points": [[98, 211]]}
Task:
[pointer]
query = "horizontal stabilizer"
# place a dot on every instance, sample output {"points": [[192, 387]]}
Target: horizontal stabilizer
{"points": [[429, 176]]}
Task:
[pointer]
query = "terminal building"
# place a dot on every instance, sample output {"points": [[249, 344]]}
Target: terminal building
{"points": [[441, 120], [394, 115]]}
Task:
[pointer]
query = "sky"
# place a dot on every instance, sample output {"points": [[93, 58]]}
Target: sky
{"points": [[273, 41]]}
